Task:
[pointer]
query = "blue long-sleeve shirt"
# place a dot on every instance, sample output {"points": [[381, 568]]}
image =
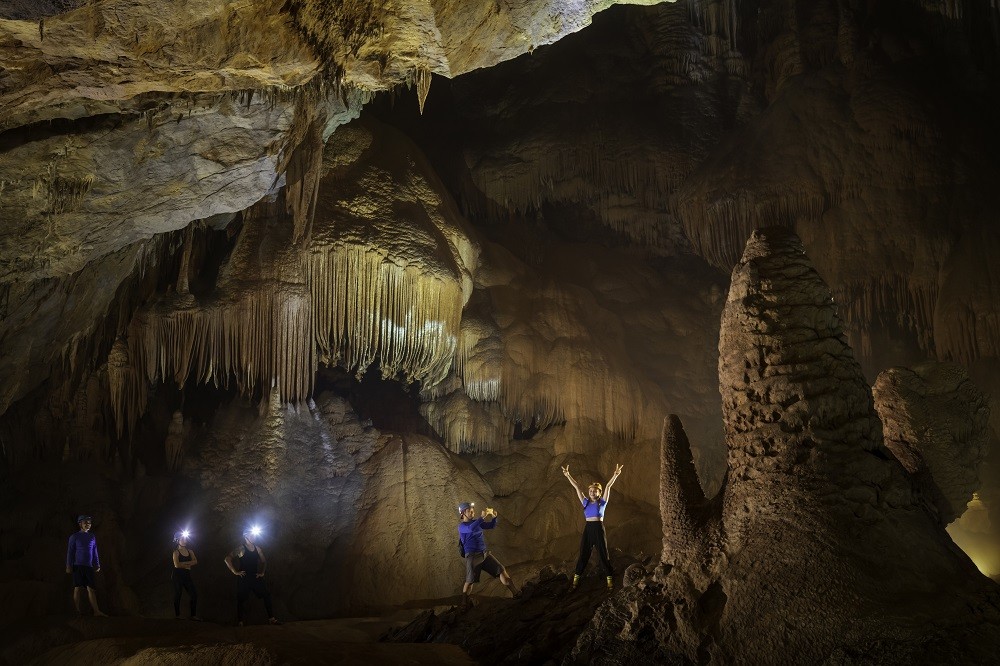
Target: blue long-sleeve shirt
{"points": [[82, 550], [470, 534]]}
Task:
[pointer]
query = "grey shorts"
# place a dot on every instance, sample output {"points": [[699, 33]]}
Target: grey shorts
{"points": [[475, 563]]}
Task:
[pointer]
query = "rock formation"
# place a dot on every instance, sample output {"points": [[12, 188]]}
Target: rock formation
{"points": [[816, 542], [936, 423]]}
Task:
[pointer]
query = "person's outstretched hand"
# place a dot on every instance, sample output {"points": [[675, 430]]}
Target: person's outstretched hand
{"points": [[566, 471], [618, 469]]}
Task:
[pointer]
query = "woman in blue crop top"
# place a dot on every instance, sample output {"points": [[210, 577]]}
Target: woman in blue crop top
{"points": [[593, 532]]}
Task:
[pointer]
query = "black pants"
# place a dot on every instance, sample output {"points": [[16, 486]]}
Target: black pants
{"points": [[247, 584], [182, 581], [593, 535]]}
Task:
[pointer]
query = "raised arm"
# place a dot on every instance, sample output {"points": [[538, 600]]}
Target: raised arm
{"points": [[488, 519], [611, 482], [565, 471]]}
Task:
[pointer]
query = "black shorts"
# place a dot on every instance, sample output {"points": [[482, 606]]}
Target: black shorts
{"points": [[475, 563], [83, 576]]}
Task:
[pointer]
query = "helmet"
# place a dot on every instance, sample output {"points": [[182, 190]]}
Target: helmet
{"points": [[81, 518], [464, 506]]}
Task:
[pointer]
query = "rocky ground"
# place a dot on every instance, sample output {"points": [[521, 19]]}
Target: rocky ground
{"points": [[541, 627]]}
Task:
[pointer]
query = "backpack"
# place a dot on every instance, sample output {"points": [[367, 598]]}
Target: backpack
{"points": [[461, 548]]}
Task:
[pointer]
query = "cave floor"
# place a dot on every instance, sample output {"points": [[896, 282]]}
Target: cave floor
{"points": [[134, 640]]}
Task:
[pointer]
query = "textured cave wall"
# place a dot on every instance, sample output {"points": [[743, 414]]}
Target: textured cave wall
{"points": [[610, 180], [224, 321], [866, 129]]}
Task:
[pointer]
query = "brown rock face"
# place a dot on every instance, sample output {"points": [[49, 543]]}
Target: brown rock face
{"points": [[796, 407], [936, 423], [818, 543]]}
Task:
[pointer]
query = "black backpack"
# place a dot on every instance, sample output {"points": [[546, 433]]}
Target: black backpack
{"points": [[461, 548]]}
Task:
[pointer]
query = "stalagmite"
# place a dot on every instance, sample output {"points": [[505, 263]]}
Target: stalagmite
{"points": [[811, 506], [682, 500]]}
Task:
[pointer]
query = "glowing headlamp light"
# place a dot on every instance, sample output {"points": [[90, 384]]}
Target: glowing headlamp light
{"points": [[185, 534], [255, 531]]}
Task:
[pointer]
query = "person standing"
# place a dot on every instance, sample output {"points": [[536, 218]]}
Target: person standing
{"points": [[184, 559], [594, 504], [472, 544], [247, 563], [83, 562]]}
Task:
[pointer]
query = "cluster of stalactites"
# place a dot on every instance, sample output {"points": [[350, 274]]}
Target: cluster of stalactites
{"points": [[720, 21], [354, 307], [719, 229], [910, 305], [261, 340], [369, 309], [617, 183]]}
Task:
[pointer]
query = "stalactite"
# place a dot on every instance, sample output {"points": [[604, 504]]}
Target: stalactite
{"points": [[615, 183], [128, 391], [889, 300], [302, 178], [423, 77], [183, 272], [468, 426], [719, 229], [720, 21], [370, 309], [259, 340]]}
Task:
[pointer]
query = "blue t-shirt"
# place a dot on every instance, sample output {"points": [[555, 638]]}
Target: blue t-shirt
{"points": [[82, 550], [594, 509], [470, 534]]}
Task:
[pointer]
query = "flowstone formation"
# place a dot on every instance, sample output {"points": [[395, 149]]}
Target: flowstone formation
{"points": [[816, 548]]}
